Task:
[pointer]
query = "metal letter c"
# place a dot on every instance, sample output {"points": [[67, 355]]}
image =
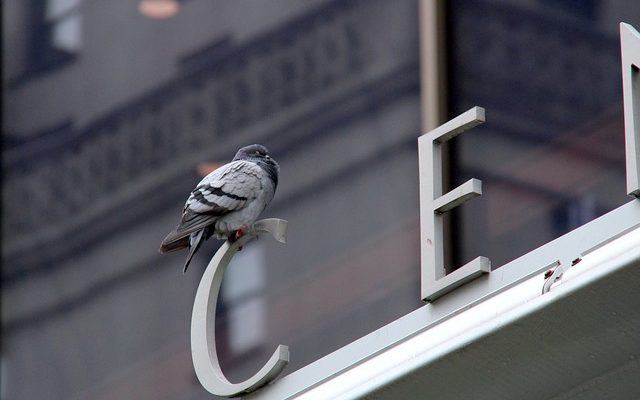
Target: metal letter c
{"points": [[203, 332]]}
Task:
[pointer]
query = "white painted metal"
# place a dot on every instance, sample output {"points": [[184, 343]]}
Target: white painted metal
{"points": [[630, 45], [556, 274], [203, 327], [434, 280]]}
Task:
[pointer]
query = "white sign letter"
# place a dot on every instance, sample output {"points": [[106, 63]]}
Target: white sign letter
{"points": [[203, 321], [630, 44], [434, 280]]}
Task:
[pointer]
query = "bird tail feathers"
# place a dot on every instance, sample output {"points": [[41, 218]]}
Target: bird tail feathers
{"points": [[194, 243], [174, 242]]}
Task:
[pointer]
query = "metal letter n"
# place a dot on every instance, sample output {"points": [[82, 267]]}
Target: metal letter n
{"points": [[433, 204], [630, 44]]}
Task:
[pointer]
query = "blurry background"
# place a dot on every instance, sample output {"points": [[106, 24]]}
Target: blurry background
{"points": [[111, 107]]}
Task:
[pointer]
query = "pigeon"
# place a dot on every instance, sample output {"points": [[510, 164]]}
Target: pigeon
{"points": [[226, 202]]}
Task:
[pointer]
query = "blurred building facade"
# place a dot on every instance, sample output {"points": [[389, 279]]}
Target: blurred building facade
{"points": [[108, 112]]}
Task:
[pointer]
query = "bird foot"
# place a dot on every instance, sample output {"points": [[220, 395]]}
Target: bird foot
{"points": [[241, 231], [238, 233]]}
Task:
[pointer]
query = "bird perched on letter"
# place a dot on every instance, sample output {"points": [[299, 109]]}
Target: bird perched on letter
{"points": [[226, 202]]}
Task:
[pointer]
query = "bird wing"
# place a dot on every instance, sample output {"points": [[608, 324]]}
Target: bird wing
{"points": [[228, 188]]}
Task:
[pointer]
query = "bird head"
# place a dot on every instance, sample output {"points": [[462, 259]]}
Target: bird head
{"points": [[259, 154], [252, 151]]}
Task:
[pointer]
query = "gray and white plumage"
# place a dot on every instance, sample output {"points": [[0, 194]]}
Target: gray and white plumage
{"points": [[226, 202]]}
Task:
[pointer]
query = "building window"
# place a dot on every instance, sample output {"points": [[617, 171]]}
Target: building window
{"points": [[57, 35], [242, 305]]}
